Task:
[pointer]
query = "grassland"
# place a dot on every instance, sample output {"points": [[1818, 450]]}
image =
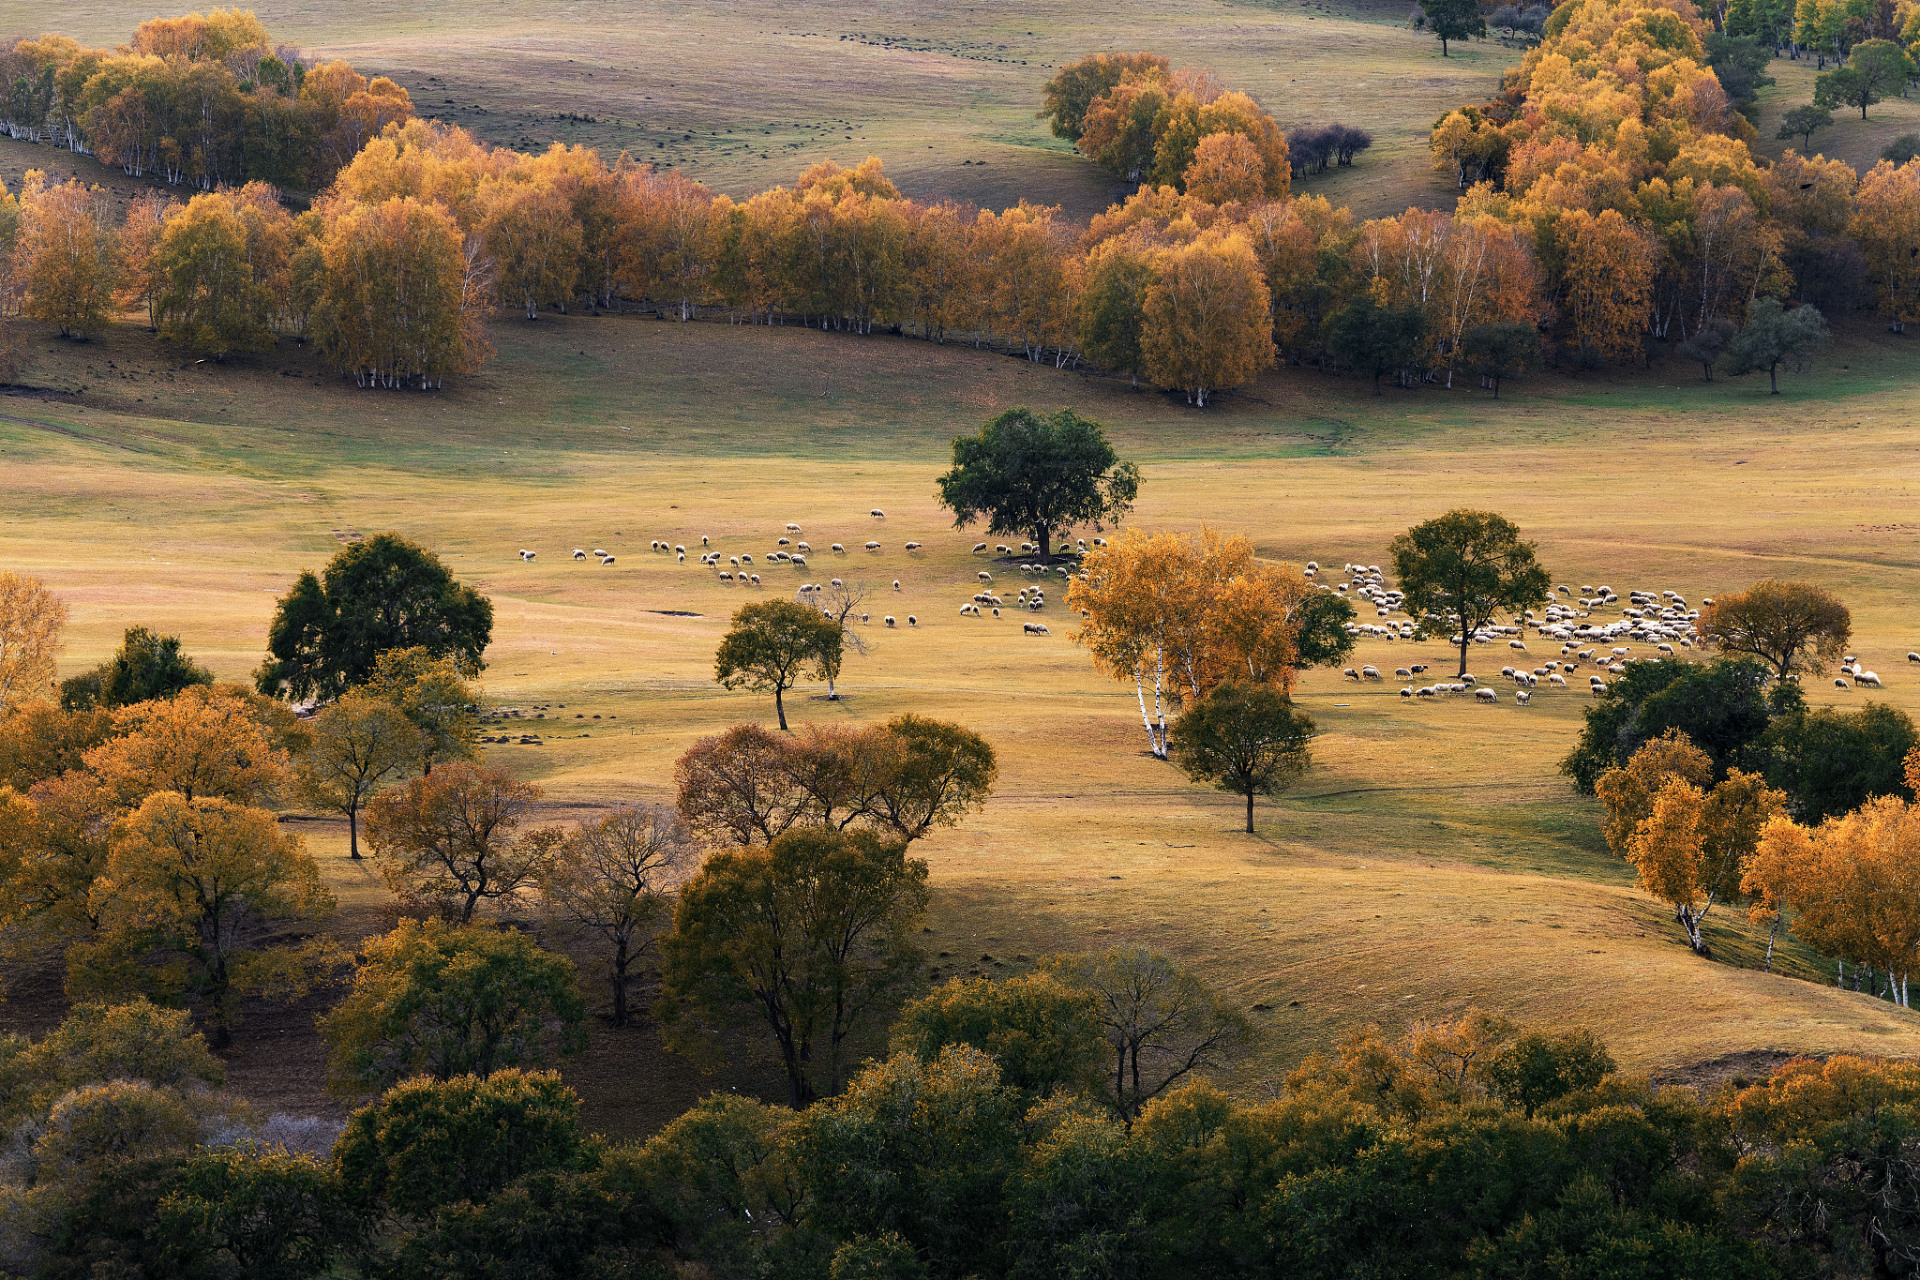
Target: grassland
{"points": [[1858, 142], [744, 96], [1432, 859]]}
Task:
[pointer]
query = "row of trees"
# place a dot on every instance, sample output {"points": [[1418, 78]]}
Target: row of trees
{"points": [[202, 99], [981, 1147], [1647, 214]]}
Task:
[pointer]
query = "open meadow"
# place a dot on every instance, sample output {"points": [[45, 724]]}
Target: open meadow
{"points": [[1432, 859]]}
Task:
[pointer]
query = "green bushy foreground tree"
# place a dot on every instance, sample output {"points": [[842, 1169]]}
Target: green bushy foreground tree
{"points": [[1462, 1150]]}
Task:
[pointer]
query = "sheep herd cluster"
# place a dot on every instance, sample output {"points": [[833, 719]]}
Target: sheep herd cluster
{"points": [[1663, 619]]}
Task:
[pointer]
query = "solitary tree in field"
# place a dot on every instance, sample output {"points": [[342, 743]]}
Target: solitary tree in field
{"points": [[384, 593], [1464, 567], [1774, 336], [1243, 738], [1454, 20], [1037, 475], [1803, 122], [773, 644], [1875, 69], [1795, 626]]}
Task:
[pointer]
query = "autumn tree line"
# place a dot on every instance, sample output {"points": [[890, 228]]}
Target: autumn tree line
{"points": [[1619, 151]]}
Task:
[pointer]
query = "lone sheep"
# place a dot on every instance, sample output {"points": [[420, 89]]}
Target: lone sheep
{"points": [[873, 546], [912, 621], [526, 554], [896, 584], [838, 549], [877, 514], [889, 619], [792, 528], [913, 546], [978, 547]]}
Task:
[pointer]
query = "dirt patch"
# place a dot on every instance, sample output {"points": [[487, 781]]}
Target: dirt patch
{"points": [[1737, 1069]]}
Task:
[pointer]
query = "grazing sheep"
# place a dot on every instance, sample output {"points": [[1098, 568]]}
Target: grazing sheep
{"points": [[969, 608], [1350, 674], [680, 549], [1003, 549], [877, 514], [1035, 629], [866, 617], [1101, 542], [835, 582], [912, 621], [1407, 692], [896, 584], [799, 560], [785, 542], [599, 551], [1485, 695], [1418, 668], [1369, 673], [734, 561], [749, 559], [725, 576], [1665, 648], [578, 554], [703, 539], [1401, 673], [838, 549], [1850, 659], [606, 559], [1523, 697], [978, 547], [1913, 657], [682, 557], [1515, 644], [873, 546], [889, 619], [1599, 688], [913, 546], [1427, 692], [1869, 678], [754, 578], [803, 547], [525, 554], [996, 611], [1558, 681], [653, 544], [984, 576], [792, 527], [1839, 683]]}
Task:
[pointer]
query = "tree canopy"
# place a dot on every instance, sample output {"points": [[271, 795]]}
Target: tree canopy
{"points": [[1462, 568], [146, 666], [772, 644], [1244, 738], [1794, 627], [376, 595], [1038, 475]]}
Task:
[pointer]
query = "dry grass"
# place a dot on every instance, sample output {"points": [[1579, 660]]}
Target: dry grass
{"points": [[746, 95], [1432, 859], [1858, 142]]}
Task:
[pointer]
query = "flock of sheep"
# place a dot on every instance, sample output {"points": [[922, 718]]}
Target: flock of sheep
{"points": [[1663, 619]]}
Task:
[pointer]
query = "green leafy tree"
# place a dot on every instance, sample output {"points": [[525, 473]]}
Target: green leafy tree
{"points": [[376, 595], [146, 666], [255, 1211], [1454, 20], [1829, 761], [1740, 64], [1706, 344], [426, 1143], [555, 1224], [1374, 339], [1882, 69], [1323, 639], [931, 774], [1113, 308], [358, 743], [1462, 568], [100, 1041], [435, 694], [1541, 1067], [1720, 706], [773, 644], [1774, 336], [1037, 475], [1244, 738], [1803, 122], [1161, 1023], [449, 1000], [1501, 350], [1045, 1034], [808, 936]]}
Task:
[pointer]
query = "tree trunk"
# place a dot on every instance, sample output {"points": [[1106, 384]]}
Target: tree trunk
{"points": [[1770, 936], [1773, 379], [620, 984], [1466, 639], [779, 707], [1046, 543], [1249, 811], [353, 831]]}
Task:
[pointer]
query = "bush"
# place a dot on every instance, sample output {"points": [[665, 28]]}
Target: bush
{"points": [[1721, 707]]}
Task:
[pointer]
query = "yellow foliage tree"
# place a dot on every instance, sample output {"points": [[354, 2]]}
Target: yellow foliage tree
{"points": [[1693, 848], [31, 619], [68, 256], [1208, 318]]}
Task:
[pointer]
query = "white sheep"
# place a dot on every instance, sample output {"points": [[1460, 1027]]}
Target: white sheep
{"points": [[877, 514], [799, 560], [896, 584], [984, 576], [913, 546], [680, 549], [683, 557], [703, 539], [1599, 688], [606, 559], [839, 549], [1485, 695], [525, 554], [804, 547], [873, 546], [1035, 629], [1523, 697], [1839, 683], [1869, 678], [754, 578], [912, 621], [1557, 680], [578, 554], [749, 559], [725, 576], [792, 527], [1515, 644], [866, 617], [1369, 673], [1401, 673], [889, 619], [1913, 657], [835, 582]]}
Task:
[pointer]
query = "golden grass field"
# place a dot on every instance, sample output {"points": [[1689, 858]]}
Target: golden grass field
{"points": [[749, 94], [1432, 859]]}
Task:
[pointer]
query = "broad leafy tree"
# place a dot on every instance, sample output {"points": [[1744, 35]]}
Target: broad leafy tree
{"points": [[1875, 69], [435, 694], [1037, 475], [187, 904], [1830, 761], [808, 938], [446, 1000], [1803, 122], [1245, 738], [1500, 350], [1774, 336], [774, 644], [359, 743], [452, 840], [1693, 849], [379, 594], [1451, 20], [1463, 568], [31, 619], [1721, 707], [1794, 627], [1044, 1033], [146, 666], [1375, 339]]}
